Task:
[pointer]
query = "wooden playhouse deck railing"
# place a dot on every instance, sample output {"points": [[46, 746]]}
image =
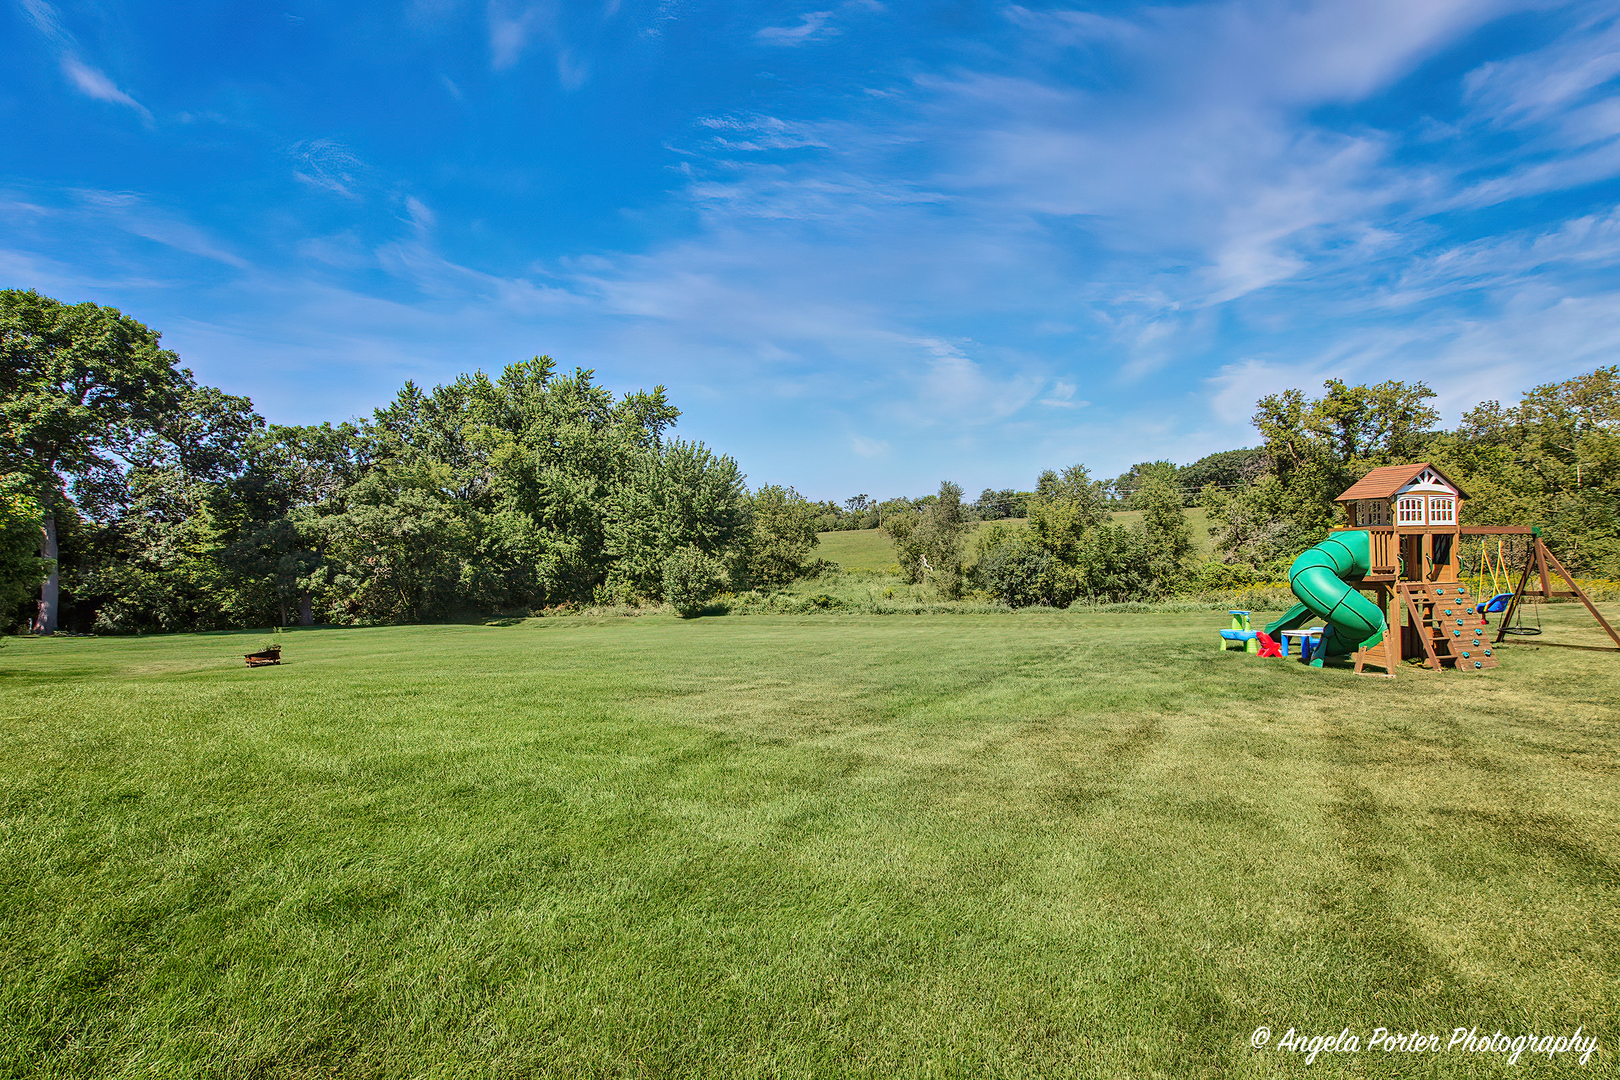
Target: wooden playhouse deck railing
{"points": [[1385, 550]]}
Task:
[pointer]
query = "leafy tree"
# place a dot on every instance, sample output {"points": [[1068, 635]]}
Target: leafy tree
{"points": [[1115, 565], [78, 385], [295, 482], [400, 552], [784, 532], [1125, 486], [995, 505], [928, 540], [1168, 536], [168, 521], [682, 496], [1314, 449], [691, 579], [1063, 507], [542, 464], [1019, 572], [1369, 426], [1551, 460], [1227, 470]]}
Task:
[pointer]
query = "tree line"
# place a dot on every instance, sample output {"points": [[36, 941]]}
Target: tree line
{"points": [[136, 499]]}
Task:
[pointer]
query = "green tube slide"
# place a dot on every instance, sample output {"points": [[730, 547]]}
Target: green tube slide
{"points": [[1318, 578]]}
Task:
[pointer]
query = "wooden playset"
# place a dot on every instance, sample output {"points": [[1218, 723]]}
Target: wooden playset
{"points": [[1411, 515]]}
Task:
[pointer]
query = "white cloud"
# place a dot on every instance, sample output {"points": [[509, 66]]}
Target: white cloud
{"points": [[812, 27], [741, 134], [868, 448], [510, 28], [1062, 396], [1552, 84], [46, 20], [328, 165], [88, 80], [515, 26], [420, 217]]}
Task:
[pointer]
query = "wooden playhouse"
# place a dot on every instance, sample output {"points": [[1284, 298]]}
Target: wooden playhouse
{"points": [[1413, 515]]}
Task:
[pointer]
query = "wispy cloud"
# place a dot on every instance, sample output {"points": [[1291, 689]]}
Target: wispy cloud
{"points": [[868, 448], [515, 26], [511, 26], [94, 83], [1062, 396], [88, 80], [328, 165], [813, 26]]}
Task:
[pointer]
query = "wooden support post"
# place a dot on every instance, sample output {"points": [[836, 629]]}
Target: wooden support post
{"points": [[1389, 646], [1392, 635]]}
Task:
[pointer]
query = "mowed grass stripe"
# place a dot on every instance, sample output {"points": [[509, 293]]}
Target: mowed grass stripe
{"points": [[1032, 845]]}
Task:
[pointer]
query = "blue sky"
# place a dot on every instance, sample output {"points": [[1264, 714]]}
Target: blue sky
{"points": [[866, 245]]}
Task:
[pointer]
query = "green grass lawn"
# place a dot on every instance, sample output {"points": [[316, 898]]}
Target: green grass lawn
{"points": [[1031, 845], [871, 549]]}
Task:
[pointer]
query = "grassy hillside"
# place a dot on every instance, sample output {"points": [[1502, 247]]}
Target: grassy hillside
{"points": [[870, 549], [1015, 845], [856, 549], [1197, 518]]}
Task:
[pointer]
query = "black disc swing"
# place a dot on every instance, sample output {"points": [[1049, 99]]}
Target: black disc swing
{"points": [[1518, 628]]}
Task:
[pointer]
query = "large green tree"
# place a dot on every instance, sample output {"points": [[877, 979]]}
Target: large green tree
{"points": [[79, 384], [929, 540], [783, 532], [681, 496], [168, 522], [1551, 460], [295, 484]]}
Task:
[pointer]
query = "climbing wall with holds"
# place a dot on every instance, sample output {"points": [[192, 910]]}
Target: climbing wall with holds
{"points": [[1449, 635]]}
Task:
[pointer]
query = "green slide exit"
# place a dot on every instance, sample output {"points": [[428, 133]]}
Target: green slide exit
{"points": [[1318, 578]]}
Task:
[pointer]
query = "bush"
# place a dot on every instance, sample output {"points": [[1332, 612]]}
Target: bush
{"points": [[1214, 576], [784, 531], [1020, 574], [691, 580], [929, 541]]}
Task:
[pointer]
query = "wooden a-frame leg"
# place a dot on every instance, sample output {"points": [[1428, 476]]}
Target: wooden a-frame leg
{"points": [[1576, 589]]}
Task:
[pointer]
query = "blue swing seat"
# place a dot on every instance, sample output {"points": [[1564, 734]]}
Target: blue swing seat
{"points": [[1495, 605]]}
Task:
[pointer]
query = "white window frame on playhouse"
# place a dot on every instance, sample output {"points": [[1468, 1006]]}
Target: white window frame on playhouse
{"points": [[1442, 510], [1409, 510]]}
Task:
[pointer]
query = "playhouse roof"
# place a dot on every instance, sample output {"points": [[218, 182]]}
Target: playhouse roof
{"points": [[1384, 482]]}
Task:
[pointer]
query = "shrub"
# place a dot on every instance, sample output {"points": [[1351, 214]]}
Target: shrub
{"points": [[1020, 573], [784, 531], [1212, 576], [691, 580], [929, 541]]}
